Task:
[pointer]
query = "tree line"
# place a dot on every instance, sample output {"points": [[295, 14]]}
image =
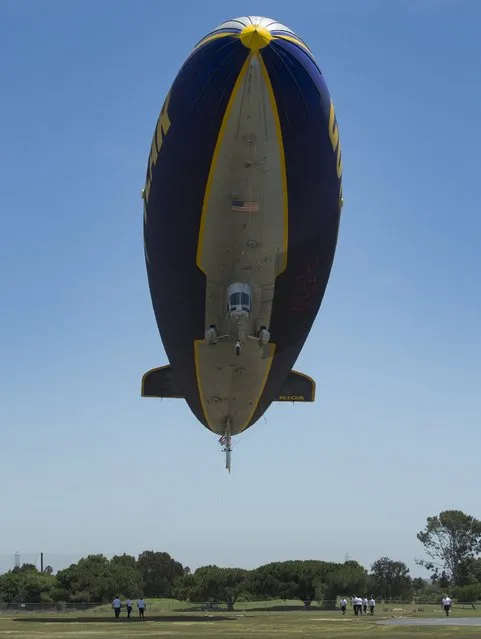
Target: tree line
{"points": [[451, 540]]}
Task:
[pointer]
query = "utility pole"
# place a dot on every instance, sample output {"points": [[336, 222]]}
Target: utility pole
{"points": [[41, 562]]}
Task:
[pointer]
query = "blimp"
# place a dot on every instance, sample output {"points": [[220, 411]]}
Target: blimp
{"points": [[241, 213]]}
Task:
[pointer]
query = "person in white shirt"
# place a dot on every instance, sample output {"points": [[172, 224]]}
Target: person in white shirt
{"points": [[343, 606], [372, 603], [142, 608], [357, 605], [364, 605], [354, 604], [128, 605], [116, 605], [447, 605]]}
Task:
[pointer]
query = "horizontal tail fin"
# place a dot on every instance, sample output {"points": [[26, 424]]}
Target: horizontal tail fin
{"points": [[161, 382], [297, 388]]}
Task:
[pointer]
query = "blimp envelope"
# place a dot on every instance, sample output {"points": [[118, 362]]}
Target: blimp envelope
{"points": [[242, 204]]}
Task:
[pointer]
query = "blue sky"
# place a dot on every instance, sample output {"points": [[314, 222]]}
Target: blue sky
{"points": [[86, 465]]}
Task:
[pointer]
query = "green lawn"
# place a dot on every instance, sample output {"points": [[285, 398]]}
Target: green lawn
{"points": [[162, 621]]}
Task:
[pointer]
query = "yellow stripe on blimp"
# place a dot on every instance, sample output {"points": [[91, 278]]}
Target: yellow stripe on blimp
{"points": [[248, 31], [197, 344], [285, 213], [272, 349], [336, 147], [215, 36], [215, 158], [205, 206], [280, 141], [292, 38]]}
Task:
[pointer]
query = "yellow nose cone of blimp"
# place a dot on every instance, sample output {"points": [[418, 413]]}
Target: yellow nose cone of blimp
{"points": [[255, 37]]}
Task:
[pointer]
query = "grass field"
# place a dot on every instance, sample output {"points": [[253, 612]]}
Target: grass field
{"points": [[160, 622]]}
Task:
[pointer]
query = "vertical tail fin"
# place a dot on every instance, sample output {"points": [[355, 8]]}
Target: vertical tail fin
{"points": [[161, 382], [298, 387]]}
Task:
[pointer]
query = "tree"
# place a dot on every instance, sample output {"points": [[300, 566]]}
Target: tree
{"points": [[95, 578], [211, 583], [183, 587], [29, 585], [450, 539], [344, 579], [87, 580], [419, 586], [303, 580], [127, 561], [470, 571], [159, 571], [36, 586], [125, 576], [25, 568], [391, 579]]}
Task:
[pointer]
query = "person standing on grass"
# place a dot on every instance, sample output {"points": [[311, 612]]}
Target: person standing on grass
{"points": [[354, 604], [359, 605], [447, 605], [343, 606], [372, 603], [128, 604], [364, 604], [116, 605], [142, 608]]}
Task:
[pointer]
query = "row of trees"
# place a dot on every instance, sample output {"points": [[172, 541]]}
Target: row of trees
{"points": [[452, 542]]}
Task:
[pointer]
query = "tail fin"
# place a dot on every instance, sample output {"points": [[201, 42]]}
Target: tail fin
{"points": [[297, 388], [161, 382]]}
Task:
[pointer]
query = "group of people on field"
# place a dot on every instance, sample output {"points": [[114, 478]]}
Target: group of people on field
{"points": [[117, 606], [359, 605]]}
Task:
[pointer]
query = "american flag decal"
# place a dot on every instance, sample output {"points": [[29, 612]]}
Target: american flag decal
{"points": [[245, 206], [222, 440]]}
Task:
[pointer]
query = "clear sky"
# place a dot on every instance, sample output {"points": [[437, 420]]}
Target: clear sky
{"points": [[86, 465]]}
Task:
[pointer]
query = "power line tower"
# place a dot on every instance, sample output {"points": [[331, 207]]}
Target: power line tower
{"points": [[17, 559]]}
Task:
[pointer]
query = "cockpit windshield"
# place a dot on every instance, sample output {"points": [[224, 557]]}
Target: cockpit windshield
{"points": [[240, 299], [235, 299]]}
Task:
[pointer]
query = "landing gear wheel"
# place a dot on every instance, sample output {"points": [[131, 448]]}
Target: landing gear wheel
{"points": [[264, 336], [237, 348], [211, 334]]}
